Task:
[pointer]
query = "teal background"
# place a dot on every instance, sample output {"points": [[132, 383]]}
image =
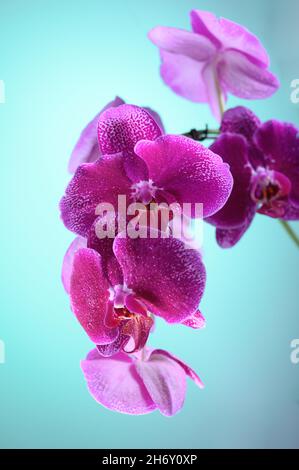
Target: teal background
{"points": [[62, 61]]}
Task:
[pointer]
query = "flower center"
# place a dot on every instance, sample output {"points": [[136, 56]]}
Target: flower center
{"points": [[144, 191], [269, 190]]}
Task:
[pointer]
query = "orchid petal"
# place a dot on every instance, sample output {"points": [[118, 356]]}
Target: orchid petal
{"points": [[168, 277], [87, 149], [92, 184], [239, 76], [67, 264], [187, 170], [115, 384], [182, 42], [89, 293]]}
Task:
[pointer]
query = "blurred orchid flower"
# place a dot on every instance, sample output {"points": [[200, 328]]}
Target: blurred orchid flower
{"points": [[264, 161], [138, 384], [216, 58]]}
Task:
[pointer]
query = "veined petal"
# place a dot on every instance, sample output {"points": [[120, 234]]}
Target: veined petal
{"points": [[182, 42], [92, 184], [168, 277], [187, 170], [239, 76], [87, 149], [89, 294], [67, 264], [114, 383], [188, 370], [165, 381], [228, 34], [184, 76]]}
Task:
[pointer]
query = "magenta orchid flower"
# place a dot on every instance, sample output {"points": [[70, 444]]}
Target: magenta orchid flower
{"points": [[138, 384], [158, 276], [87, 148], [216, 58], [264, 160], [144, 166]]}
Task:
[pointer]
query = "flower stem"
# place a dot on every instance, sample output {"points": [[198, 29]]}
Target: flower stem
{"points": [[290, 231], [219, 95], [202, 134]]}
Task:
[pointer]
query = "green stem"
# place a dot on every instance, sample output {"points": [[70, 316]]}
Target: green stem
{"points": [[290, 231]]}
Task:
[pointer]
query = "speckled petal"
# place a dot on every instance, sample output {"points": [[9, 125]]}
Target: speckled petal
{"points": [[119, 129], [187, 170], [87, 148], [89, 294], [67, 264], [114, 383], [92, 184], [104, 246], [168, 277], [196, 321]]}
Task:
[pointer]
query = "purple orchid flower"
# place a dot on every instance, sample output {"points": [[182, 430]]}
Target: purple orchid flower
{"points": [[216, 58], [144, 166], [264, 161], [87, 148], [138, 384], [155, 275]]}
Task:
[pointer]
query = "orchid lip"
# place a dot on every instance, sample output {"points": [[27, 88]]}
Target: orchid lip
{"points": [[269, 191], [144, 191]]}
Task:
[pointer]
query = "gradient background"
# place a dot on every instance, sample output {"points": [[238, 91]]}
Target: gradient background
{"points": [[62, 61]]}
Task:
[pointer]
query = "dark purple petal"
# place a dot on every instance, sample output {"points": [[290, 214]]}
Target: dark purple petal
{"points": [[67, 264], [89, 294], [233, 148], [242, 78], [291, 213], [228, 34], [92, 184], [115, 384], [87, 148], [167, 276], [119, 129], [187, 170], [227, 238], [182, 42], [165, 381], [280, 145], [240, 120]]}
